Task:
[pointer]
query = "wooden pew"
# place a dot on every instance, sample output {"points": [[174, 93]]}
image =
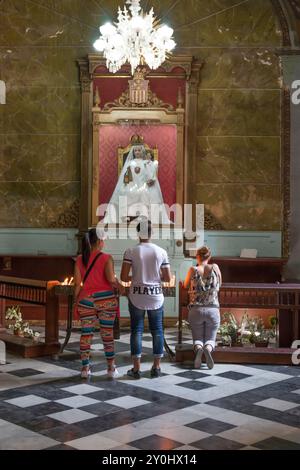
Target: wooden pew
{"points": [[36, 293]]}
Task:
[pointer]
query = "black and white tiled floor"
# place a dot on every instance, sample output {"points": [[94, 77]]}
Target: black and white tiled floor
{"points": [[44, 404]]}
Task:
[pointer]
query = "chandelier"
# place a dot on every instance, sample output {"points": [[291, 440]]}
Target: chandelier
{"points": [[137, 38]]}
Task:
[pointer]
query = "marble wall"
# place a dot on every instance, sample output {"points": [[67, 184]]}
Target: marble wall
{"points": [[237, 166]]}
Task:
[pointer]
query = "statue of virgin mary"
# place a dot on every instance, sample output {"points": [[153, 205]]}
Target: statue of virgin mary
{"points": [[138, 191]]}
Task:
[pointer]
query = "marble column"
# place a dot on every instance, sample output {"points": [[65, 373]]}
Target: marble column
{"points": [[291, 73]]}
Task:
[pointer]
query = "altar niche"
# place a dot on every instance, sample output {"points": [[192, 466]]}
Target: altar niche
{"points": [[146, 181], [160, 105]]}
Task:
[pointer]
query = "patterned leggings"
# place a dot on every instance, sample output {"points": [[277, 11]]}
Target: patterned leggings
{"points": [[102, 307]]}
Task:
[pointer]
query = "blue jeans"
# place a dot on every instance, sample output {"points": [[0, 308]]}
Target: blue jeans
{"points": [[155, 318]]}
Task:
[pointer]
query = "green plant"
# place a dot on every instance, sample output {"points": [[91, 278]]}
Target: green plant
{"points": [[273, 321], [19, 326], [250, 330], [229, 329], [262, 336]]}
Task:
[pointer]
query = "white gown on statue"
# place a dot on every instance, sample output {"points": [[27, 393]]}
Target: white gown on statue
{"points": [[137, 198]]}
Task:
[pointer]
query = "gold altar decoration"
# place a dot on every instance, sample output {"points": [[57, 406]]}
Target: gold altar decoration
{"points": [[139, 87]]}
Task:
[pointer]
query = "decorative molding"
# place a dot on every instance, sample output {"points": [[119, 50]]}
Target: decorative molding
{"points": [[182, 61], [210, 222], [97, 100], [69, 218], [281, 52], [194, 78], [85, 76], [286, 168], [138, 95], [139, 87], [286, 38], [124, 101], [180, 100]]}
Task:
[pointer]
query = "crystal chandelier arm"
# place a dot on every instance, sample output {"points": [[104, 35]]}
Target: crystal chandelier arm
{"points": [[135, 7]]}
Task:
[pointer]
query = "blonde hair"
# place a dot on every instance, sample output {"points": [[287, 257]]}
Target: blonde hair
{"points": [[204, 253]]}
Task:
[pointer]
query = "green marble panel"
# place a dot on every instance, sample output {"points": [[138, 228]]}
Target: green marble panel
{"points": [[91, 13], [42, 109], [47, 66], [196, 22], [238, 159], [27, 23], [39, 204], [242, 206], [239, 68], [227, 22], [239, 112], [40, 158]]}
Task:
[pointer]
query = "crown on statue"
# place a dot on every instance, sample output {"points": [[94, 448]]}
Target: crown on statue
{"points": [[137, 140]]}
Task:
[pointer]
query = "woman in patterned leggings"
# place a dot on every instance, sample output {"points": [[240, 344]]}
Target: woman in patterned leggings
{"points": [[95, 282]]}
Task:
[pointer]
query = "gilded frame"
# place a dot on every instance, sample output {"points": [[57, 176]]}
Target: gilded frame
{"points": [[184, 117]]}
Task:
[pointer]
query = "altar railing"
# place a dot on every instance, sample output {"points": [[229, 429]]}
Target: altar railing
{"points": [[37, 293], [281, 297]]}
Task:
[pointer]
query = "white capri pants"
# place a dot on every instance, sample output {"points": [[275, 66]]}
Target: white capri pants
{"points": [[204, 322]]}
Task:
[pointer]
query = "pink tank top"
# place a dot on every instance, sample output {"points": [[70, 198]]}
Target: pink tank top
{"points": [[96, 281]]}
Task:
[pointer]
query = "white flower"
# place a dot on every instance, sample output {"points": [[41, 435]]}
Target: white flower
{"points": [[14, 313]]}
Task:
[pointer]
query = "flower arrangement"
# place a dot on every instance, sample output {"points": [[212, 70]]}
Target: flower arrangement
{"points": [[250, 331], [229, 329], [19, 327], [273, 322]]}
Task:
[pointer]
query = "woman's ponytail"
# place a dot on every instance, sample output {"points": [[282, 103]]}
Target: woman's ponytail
{"points": [[86, 249], [88, 242]]}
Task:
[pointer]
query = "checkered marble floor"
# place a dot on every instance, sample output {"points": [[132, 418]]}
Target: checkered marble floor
{"points": [[44, 404]]}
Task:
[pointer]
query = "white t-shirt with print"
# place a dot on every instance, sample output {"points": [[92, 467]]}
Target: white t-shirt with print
{"points": [[146, 260]]}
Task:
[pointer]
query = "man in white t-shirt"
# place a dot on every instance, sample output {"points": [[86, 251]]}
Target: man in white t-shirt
{"points": [[149, 266]]}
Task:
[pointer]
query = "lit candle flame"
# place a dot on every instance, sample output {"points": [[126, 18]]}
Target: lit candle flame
{"points": [[172, 282], [67, 281]]}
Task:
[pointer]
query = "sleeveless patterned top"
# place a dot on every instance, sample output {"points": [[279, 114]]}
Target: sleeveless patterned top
{"points": [[204, 290]]}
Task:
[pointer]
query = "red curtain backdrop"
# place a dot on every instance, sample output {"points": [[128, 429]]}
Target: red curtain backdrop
{"points": [[163, 137]]}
